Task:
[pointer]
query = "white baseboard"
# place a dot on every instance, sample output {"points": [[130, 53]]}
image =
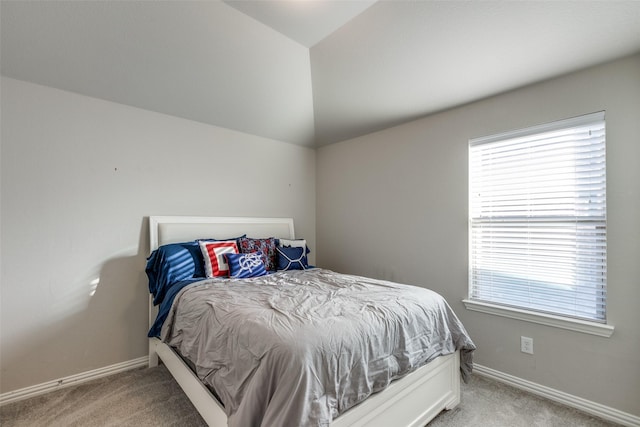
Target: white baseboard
{"points": [[584, 405], [38, 389]]}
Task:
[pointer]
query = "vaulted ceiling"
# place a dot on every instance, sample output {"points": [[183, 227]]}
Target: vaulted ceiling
{"points": [[309, 72]]}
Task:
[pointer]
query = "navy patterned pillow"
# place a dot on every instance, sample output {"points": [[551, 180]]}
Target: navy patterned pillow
{"points": [[266, 246], [292, 258], [245, 265]]}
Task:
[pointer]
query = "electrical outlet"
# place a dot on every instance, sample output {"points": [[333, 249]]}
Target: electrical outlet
{"points": [[526, 345]]}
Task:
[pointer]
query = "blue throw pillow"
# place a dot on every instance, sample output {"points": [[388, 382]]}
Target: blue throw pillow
{"points": [[237, 239], [171, 263], [292, 258], [245, 265]]}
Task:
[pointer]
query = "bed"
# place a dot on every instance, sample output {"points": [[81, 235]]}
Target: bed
{"points": [[422, 389]]}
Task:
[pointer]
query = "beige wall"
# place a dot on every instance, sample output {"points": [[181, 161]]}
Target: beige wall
{"points": [[393, 205], [79, 177]]}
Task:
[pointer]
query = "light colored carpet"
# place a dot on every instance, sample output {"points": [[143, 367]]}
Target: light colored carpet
{"points": [[142, 397], [150, 397]]}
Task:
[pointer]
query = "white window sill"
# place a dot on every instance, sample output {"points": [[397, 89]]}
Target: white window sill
{"points": [[577, 325]]}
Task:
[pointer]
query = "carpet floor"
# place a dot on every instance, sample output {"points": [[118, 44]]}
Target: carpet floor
{"points": [[151, 397]]}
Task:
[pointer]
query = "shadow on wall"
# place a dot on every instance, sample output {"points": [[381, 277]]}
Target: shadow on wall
{"points": [[101, 321]]}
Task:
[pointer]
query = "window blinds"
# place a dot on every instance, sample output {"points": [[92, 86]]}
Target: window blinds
{"points": [[538, 218]]}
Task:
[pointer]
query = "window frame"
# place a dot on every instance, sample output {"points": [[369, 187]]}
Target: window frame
{"points": [[558, 320]]}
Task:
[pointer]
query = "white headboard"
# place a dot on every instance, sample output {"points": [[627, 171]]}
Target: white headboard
{"points": [[173, 229]]}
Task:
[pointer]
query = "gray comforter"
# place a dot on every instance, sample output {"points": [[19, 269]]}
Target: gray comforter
{"points": [[299, 348]]}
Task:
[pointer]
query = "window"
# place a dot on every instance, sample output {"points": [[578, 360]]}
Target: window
{"points": [[538, 219]]}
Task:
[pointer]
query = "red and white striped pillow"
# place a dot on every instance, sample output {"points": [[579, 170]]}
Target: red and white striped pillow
{"points": [[215, 265]]}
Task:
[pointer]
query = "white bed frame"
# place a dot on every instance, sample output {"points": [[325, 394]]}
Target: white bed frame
{"points": [[410, 401]]}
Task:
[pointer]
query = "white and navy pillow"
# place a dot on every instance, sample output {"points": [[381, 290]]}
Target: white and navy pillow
{"points": [[292, 258], [294, 243], [245, 265]]}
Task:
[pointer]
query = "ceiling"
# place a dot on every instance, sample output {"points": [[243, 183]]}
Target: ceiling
{"points": [[305, 21], [308, 72]]}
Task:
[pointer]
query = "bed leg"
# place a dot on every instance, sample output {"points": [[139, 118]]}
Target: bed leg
{"points": [[455, 383], [452, 405], [153, 355]]}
